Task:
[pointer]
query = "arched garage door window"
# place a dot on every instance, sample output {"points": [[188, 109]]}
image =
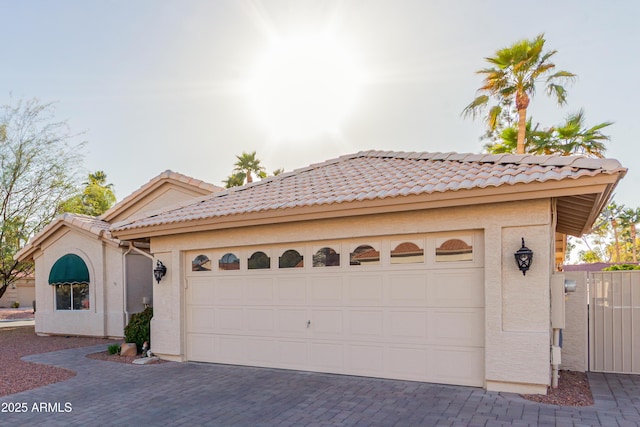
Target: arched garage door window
{"points": [[70, 276]]}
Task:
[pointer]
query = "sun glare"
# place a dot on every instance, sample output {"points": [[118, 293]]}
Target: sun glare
{"points": [[304, 87]]}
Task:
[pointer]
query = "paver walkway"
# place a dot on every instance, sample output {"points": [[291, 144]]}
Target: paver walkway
{"points": [[193, 394]]}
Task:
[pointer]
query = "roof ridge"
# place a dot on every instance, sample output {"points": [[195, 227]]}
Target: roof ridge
{"points": [[165, 175]]}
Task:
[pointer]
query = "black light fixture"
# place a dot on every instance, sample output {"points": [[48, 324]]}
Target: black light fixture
{"points": [[160, 271], [524, 258]]}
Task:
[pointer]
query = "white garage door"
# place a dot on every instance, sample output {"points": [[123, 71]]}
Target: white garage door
{"points": [[410, 307]]}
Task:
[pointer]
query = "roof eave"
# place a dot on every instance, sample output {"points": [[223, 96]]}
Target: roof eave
{"points": [[603, 184]]}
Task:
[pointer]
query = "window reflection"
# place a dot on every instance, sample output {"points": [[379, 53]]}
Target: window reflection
{"points": [[229, 261], [326, 257], [291, 259], [454, 250], [407, 253], [201, 263], [364, 255], [259, 260]]}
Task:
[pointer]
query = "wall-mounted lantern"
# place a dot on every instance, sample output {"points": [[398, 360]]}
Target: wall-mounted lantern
{"points": [[524, 258], [160, 271]]}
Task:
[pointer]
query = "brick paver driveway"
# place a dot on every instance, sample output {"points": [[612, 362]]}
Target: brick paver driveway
{"points": [[192, 394]]}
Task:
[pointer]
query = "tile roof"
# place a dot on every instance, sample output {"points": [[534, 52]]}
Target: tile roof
{"points": [[372, 175], [88, 223], [164, 176]]}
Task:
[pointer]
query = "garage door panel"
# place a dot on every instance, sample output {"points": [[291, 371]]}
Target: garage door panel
{"points": [[327, 357], [407, 326], [230, 349], [292, 290], [229, 320], [326, 290], [457, 365], [407, 362], [261, 321], [409, 290], [456, 288], [327, 323], [260, 292], [200, 319], [262, 352], [228, 291], [460, 327], [292, 322], [365, 290], [200, 347], [365, 359], [293, 354], [200, 291], [366, 324]]}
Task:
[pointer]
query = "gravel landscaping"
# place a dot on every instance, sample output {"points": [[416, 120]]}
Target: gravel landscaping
{"points": [[16, 342]]}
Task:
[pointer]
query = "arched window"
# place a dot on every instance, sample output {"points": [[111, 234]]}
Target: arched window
{"points": [[70, 276], [326, 257], [201, 263], [259, 260], [291, 259], [407, 253], [454, 250], [229, 261], [364, 255]]}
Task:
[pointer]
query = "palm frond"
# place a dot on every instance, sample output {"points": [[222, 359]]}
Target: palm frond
{"points": [[473, 109]]}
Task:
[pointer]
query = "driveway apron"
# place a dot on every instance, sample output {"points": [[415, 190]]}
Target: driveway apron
{"points": [[192, 394]]}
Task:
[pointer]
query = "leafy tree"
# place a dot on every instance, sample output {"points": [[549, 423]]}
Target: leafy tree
{"points": [[94, 200], [37, 172], [511, 82], [629, 217], [248, 164], [613, 237]]}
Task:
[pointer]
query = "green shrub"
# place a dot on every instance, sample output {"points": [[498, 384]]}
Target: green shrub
{"points": [[15, 304], [139, 328], [620, 267], [114, 349]]}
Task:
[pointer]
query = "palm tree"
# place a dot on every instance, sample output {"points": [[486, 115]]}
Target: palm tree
{"points": [[507, 139], [573, 138], [570, 137], [235, 180], [247, 163], [513, 77]]}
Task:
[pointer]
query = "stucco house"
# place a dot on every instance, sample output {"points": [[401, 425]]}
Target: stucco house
{"points": [[88, 282], [384, 264]]}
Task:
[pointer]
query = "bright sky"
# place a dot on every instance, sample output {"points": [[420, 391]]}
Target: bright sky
{"points": [[186, 85]]}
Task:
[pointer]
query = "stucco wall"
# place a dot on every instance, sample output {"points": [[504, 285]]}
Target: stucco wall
{"points": [[105, 274], [574, 336], [516, 306], [23, 291]]}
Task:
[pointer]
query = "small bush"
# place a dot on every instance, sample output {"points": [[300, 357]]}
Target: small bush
{"points": [[114, 349], [139, 328], [16, 304]]}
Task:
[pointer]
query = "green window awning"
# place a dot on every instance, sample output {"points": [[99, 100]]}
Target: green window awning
{"points": [[68, 270]]}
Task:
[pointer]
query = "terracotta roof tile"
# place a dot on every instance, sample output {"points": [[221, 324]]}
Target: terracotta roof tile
{"points": [[378, 175]]}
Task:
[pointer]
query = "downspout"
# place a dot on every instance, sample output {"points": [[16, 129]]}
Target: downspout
{"points": [[557, 303], [104, 286], [132, 248]]}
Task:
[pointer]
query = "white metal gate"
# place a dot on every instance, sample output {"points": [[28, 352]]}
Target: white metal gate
{"points": [[614, 321]]}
